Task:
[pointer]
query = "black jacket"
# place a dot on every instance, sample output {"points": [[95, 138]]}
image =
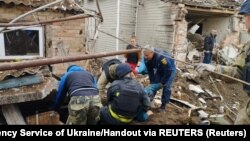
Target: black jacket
{"points": [[209, 42], [126, 96]]}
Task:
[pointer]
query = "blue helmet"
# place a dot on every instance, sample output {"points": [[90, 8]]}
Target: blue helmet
{"points": [[122, 70], [245, 8], [75, 68]]}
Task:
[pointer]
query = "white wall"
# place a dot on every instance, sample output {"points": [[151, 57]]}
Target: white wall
{"points": [[109, 11], [221, 24], [155, 24], [127, 21]]}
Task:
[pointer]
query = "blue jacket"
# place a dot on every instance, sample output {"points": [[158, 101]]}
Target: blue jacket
{"points": [[160, 67], [75, 82]]}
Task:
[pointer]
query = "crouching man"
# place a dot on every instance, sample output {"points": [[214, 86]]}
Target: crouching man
{"points": [[161, 70], [84, 105], [126, 99]]}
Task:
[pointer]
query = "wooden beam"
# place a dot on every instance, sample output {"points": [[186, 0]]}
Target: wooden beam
{"points": [[210, 10], [13, 115]]}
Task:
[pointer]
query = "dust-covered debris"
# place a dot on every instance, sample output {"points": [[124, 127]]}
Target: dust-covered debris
{"points": [[211, 110]]}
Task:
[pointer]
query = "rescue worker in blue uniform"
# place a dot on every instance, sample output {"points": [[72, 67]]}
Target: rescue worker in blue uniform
{"points": [[126, 99], [161, 71], [84, 105]]}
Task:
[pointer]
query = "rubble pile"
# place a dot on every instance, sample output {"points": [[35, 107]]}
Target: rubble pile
{"points": [[198, 100]]}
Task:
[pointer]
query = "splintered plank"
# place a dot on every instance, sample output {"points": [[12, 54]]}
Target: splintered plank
{"points": [[12, 115]]}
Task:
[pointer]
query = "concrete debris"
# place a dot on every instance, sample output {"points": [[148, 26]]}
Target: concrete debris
{"points": [[27, 93], [236, 106], [188, 75], [218, 80], [220, 120], [216, 116], [228, 55], [197, 89], [203, 114], [179, 95], [222, 109], [202, 101], [205, 122], [210, 93]]}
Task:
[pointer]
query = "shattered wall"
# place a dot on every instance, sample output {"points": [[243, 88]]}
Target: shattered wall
{"points": [[227, 33], [156, 24], [232, 4], [61, 39]]}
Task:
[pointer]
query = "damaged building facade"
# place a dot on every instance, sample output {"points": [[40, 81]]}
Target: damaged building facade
{"points": [[40, 41], [173, 25], [166, 24], [52, 40]]}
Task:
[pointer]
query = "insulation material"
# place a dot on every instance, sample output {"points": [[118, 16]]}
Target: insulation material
{"points": [[229, 54]]}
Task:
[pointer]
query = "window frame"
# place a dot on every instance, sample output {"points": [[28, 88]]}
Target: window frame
{"points": [[41, 45]]}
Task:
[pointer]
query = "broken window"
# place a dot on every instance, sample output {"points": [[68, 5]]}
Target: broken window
{"points": [[22, 44]]}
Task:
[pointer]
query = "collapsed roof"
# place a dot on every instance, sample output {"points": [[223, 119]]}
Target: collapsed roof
{"points": [[229, 4]]}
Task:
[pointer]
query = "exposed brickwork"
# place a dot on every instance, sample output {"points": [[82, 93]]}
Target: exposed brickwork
{"points": [[61, 39]]}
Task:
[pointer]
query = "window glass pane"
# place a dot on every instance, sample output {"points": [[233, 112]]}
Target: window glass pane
{"points": [[21, 42]]}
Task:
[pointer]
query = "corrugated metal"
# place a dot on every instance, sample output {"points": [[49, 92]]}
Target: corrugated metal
{"points": [[34, 3], [155, 26], [37, 3], [109, 12], [18, 73]]}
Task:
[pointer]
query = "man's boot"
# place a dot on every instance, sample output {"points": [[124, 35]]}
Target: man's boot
{"points": [[162, 108]]}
